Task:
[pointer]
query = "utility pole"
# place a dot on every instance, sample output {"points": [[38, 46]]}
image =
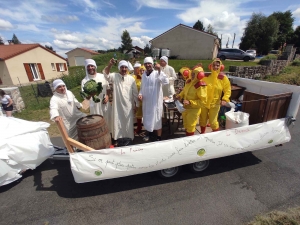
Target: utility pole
{"points": [[227, 43], [233, 40]]}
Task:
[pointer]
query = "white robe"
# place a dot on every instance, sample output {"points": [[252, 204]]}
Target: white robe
{"points": [[66, 106], [169, 90], [125, 99], [151, 91], [99, 108]]}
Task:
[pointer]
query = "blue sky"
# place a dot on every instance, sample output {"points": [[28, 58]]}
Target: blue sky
{"points": [[99, 24]]}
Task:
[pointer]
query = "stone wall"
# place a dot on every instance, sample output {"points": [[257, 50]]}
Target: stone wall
{"points": [[15, 95], [268, 67]]}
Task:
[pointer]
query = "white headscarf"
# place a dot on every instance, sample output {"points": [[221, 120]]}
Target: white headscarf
{"points": [[148, 60], [89, 62], [165, 58], [122, 63], [137, 65], [130, 67], [57, 83]]}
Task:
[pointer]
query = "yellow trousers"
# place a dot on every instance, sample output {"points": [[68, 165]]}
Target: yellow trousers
{"points": [[211, 115], [190, 119]]}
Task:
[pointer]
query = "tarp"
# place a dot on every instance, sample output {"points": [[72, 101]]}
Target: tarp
{"points": [[23, 145], [124, 161]]}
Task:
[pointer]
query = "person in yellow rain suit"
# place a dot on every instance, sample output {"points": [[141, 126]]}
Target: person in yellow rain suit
{"points": [[194, 96], [138, 71], [217, 83]]}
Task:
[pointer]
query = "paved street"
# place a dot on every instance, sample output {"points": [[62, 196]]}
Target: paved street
{"points": [[231, 191]]}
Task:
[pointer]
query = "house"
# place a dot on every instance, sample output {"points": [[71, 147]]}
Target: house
{"points": [[77, 56], [187, 43], [135, 52], [24, 63]]}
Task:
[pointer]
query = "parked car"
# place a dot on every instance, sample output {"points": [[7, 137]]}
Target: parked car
{"points": [[234, 53], [251, 51], [274, 52]]}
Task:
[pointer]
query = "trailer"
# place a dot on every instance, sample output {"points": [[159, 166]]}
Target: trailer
{"points": [[167, 156]]}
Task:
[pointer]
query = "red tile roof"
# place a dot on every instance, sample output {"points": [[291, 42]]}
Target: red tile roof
{"points": [[10, 51], [85, 49]]}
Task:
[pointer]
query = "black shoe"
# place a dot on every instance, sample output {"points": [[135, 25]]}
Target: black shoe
{"points": [[146, 138]]}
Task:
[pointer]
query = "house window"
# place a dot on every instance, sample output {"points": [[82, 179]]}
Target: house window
{"points": [[61, 67], [53, 66], [34, 71]]}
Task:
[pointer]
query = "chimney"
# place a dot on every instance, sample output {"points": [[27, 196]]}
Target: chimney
{"points": [[10, 42]]}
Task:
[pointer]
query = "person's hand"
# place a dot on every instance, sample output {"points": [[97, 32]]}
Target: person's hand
{"points": [[140, 97], [176, 97], [105, 100], [157, 67], [186, 102], [223, 103], [58, 118], [135, 109], [112, 61]]}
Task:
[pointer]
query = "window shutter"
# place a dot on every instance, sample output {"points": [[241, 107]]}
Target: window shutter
{"points": [[1, 81], [28, 72], [65, 65], [41, 71], [57, 67]]}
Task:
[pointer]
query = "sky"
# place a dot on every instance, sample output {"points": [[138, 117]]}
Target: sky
{"points": [[99, 24]]}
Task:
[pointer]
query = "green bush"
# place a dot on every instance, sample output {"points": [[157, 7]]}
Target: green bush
{"points": [[263, 60], [76, 74], [296, 62]]}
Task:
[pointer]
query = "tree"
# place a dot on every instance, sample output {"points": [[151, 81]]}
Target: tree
{"points": [[147, 49], [210, 30], [49, 47], [15, 40], [126, 41], [199, 26], [296, 37], [285, 31], [1, 41], [258, 34]]}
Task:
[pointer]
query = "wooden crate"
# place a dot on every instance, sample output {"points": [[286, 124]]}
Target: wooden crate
{"points": [[263, 108]]}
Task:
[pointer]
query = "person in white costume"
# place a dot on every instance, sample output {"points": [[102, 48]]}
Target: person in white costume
{"points": [[125, 100], [64, 106], [151, 95], [103, 107], [168, 90]]}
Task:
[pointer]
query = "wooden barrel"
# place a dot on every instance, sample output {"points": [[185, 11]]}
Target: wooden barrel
{"points": [[93, 132]]}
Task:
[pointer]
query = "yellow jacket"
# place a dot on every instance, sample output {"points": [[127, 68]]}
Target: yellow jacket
{"points": [[216, 84], [138, 82], [195, 92]]}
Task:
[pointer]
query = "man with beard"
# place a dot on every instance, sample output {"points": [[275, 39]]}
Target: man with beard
{"points": [[125, 100], [151, 95], [103, 107]]}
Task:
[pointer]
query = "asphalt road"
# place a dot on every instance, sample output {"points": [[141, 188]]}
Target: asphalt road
{"points": [[231, 191]]}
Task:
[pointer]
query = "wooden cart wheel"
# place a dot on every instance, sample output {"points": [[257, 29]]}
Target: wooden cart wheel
{"points": [[198, 166], [168, 173]]}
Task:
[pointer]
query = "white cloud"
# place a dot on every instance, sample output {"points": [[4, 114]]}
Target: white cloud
{"points": [[296, 13], [28, 27], [5, 25], [59, 19], [159, 4], [68, 37], [64, 45], [140, 41]]}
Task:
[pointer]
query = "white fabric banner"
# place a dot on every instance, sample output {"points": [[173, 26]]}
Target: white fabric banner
{"points": [[124, 161], [23, 145]]}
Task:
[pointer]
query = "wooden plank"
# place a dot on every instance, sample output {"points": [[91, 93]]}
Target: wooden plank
{"points": [[64, 135], [79, 145]]}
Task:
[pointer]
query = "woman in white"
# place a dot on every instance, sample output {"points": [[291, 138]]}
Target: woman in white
{"points": [[64, 106], [7, 103], [168, 90]]}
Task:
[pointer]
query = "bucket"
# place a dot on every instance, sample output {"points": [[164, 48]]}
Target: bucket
{"points": [[236, 119], [93, 131]]}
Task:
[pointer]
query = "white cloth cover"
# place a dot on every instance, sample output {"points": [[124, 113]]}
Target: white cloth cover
{"points": [[125, 98], [57, 83], [122, 63], [66, 106], [137, 65], [129, 160], [89, 62], [236, 119], [23, 145], [165, 58], [151, 91]]}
